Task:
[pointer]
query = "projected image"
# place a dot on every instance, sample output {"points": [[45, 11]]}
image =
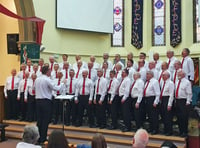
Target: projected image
{"points": [[86, 15]]}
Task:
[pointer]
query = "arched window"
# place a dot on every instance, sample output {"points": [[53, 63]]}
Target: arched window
{"points": [[196, 14], [158, 29], [117, 38]]}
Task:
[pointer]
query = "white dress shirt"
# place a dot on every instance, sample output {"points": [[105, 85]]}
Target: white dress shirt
{"points": [[27, 68], [107, 73], [84, 65], [185, 90], [74, 84], [113, 88], [143, 72], [29, 89], [96, 65], [21, 74], [27, 145], [155, 73], [171, 65], [61, 66], [21, 87], [93, 75], [131, 72], [158, 65], [79, 73], [64, 73], [8, 84], [62, 89], [137, 90], [102, 89], [153, 89], [168, 90], [119, 75], [44, 87], [124, 88], [38, 73], [54, 74], [119, 62], [89, 88], [188, 67], [176, 79], [52, 65]]}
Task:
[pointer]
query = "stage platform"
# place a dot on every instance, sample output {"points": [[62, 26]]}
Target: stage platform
{"points": [[81, 135]]}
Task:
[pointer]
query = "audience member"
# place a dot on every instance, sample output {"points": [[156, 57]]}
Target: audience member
{"points": [[98, 141], [140, 139], [30, 137], [57, 139]]}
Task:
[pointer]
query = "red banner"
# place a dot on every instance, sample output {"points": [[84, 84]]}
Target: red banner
{"points": [[39, 22]]}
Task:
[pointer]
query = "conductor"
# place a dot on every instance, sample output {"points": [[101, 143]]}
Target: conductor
{"points": [[43, 90]]}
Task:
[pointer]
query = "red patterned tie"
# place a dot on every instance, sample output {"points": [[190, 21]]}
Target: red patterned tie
{"points": [[116, 74], [138, 69], [178, 88], [168, 63], [23, 74], [13, 81], [29, 68], [51, 66], [56, 74], [70, 87], [89, 76], [98, 86], [40, 68], [83, 89], [182, 62], [58, 92], [119, 86], [110, 85], [33, 90], [25, 83], [132, 87], [77, 73], [162, 90], [160, 76], [147, 83], [175, 77], [66, 75], [104, 73]]}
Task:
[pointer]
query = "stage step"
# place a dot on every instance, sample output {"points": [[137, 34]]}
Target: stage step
{"points": [[80, 135]]}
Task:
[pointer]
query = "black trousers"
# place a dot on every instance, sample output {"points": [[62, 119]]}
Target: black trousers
{"points": [[100, 112], [71, 112], [43, 109], [115, 110], [82, 105], [152, 112], [12, 105], [22, 107], [166, 115], [31, 115], [137, 112], [126, 112], [57, 109], [108, 106], [182, 112]]}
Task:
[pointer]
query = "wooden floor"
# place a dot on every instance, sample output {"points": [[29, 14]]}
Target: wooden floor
{"points": [[81, 135]]}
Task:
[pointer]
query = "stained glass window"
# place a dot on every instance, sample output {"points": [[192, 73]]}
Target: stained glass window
{"points": [[196, 6], [158, 22], [117, 38]]}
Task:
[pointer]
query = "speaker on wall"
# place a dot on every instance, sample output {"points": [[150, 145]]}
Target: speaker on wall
{"points": [[12, 40]]}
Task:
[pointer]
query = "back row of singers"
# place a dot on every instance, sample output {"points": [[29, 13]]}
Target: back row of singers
{"points": [[156, 65]]}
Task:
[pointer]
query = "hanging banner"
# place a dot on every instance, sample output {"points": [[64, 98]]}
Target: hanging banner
{"points": [[137, 23], [175, 22], [39, 22]]}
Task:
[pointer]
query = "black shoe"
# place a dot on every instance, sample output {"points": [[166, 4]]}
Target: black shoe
{"points": [[67, 124], [125, 130], [102, 127], [92, 126], [154, 132], [78, 125], [183, 135], [112, 127], [168, 134]]}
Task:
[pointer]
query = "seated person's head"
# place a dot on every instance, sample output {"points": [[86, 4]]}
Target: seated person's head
{"points": [[140, 139], [98, 141], [31, 134], [57, 140], [168, 144]]}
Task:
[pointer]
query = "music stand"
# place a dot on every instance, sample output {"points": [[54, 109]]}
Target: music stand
{"points": [[64, 98]]}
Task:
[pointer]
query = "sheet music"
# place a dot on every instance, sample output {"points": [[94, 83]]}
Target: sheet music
{"points": [[65, 97]]}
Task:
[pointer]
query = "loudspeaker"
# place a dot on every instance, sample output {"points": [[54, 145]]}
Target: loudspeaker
{"points": [[12, 40]]}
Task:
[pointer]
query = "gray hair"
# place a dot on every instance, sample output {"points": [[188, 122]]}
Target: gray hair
{"points": [[150, 72], [31, 134], [141, 138]]}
